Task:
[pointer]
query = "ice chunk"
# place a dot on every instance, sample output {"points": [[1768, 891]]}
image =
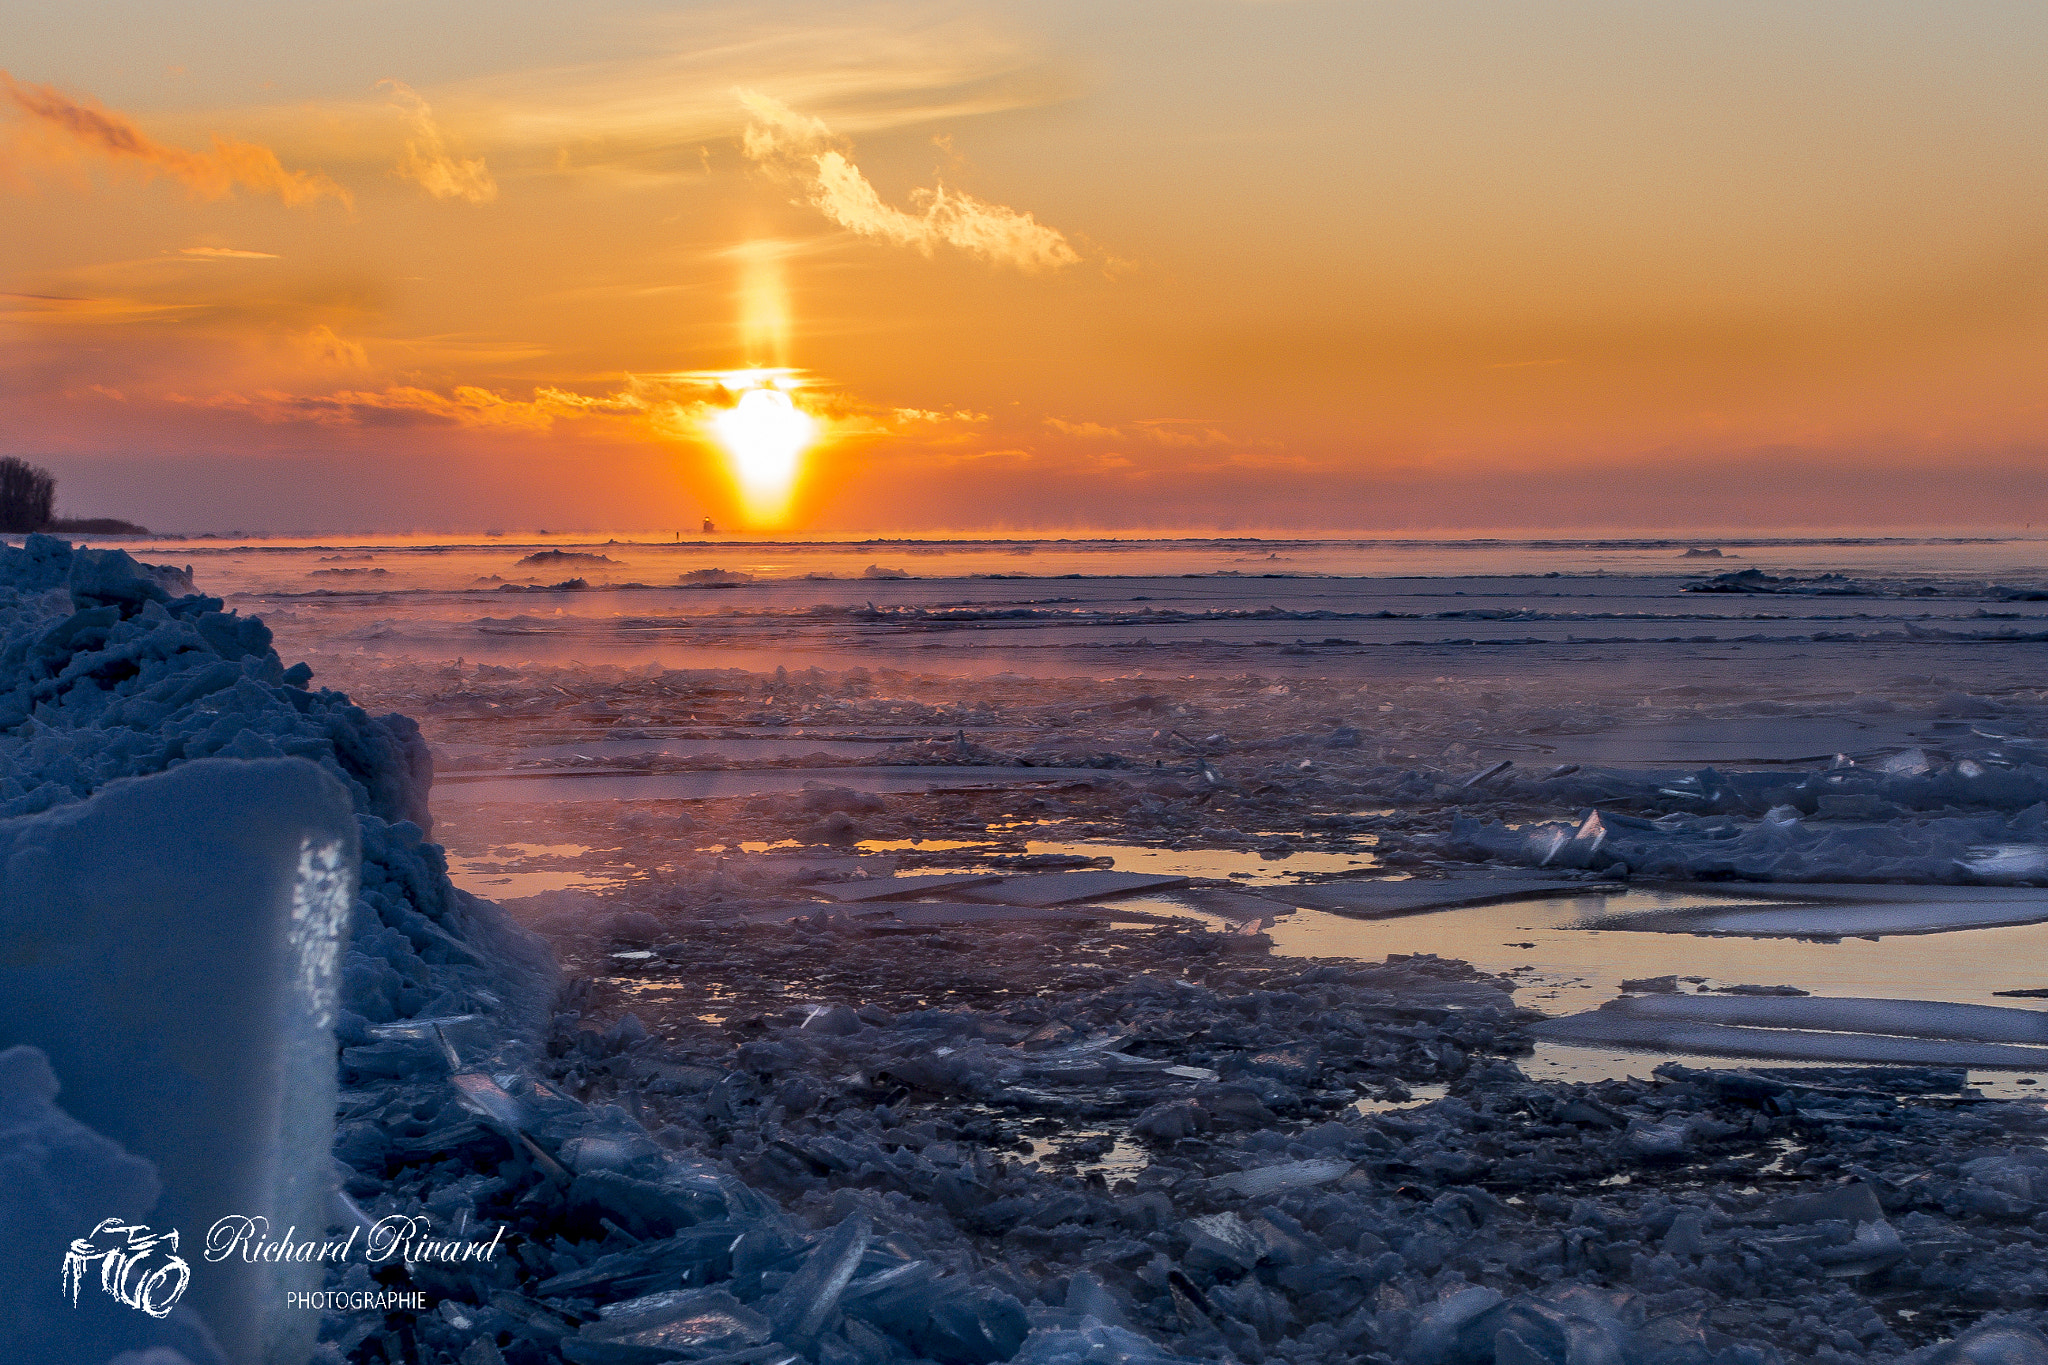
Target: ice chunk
{"points": [[1488, 774], [482, 1095], [1855, 1202], [703, 1252], [1905, 763], [680, 1320], [835, 1021], [1383, 899], [1998, 1343], [1091, 1298], [1237, 905], [1067, 888], [1667, 1139], [1604, 1028], [2007, 862], [187, 1002], [1583, 849], [901, 888], [58, 1181], [452, 1034], [801, 1308], [1934, 911], [1095, 1343], [1846, 1014], [1221, 1240], [1171, 1120], [1435, 1337], [1862, 893], [1287, 1175]]}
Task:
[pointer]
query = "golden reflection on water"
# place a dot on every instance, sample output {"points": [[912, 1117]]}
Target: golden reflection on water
{"points": [[1569, 955]]}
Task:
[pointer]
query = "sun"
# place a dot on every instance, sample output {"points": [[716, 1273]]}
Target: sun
{"points": [[766, 434]]}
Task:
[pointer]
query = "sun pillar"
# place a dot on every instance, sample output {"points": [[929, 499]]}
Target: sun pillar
{"points": [[763, 430]]}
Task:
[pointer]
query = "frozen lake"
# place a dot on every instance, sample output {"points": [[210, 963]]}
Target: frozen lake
{"points": [[610, 693]]}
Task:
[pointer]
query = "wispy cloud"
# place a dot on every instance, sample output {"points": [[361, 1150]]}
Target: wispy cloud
{"points": [[427, 161], [405, 405], [225, 253], [868, 66], [81, 310], [1165, 431], [804, 149], [84, 126]]}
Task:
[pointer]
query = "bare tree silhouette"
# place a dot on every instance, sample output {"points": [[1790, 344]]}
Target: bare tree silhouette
{"points": [[27, 493]]}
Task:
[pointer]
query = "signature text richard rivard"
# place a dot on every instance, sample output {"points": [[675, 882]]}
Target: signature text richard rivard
{"points": [[395, 1237]]}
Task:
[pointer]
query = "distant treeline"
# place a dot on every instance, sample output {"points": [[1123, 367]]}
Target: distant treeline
{"points": [[28, 495]]}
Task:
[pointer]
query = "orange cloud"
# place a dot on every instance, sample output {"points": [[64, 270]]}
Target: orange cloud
{"points": [[91, 128], [403, 405], [427, 161], [1165, 431], [799, 146], [322, 347]]}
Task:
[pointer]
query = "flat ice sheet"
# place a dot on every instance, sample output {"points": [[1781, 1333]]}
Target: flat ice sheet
{"points": [[1233, 904], [1065, 888], [934, 912], [954, 912], [1609, 1029], [901, 888], [1850, 1014], [1818, 920], [1384, 899], [1855, 893], [727, 782], [804, 866], [1734, 742]]}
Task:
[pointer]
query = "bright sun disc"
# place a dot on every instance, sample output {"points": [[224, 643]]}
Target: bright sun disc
{"points": [[765, 433]]}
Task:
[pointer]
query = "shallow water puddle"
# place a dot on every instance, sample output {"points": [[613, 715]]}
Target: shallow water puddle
{"points": [[501, 873], [1246, 865], [1569, 955], [1237, 864], [1418, 1095]]}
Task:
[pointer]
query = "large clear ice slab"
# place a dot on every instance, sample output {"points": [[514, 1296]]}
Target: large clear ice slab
{"points": [[171, 945], [1845, 1014], [1069, 888], [1385, 899]]}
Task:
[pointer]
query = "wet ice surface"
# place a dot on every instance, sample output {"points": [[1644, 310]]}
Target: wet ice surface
{"points": [[1242, 1135], [510, 871], [1571, 955], [729, 783]]}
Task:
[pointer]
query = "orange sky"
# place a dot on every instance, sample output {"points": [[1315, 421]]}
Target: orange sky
{"points": [[1243, 265]]}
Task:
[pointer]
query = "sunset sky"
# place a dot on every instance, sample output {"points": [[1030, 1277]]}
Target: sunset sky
{"points": [[1217, 264]]}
